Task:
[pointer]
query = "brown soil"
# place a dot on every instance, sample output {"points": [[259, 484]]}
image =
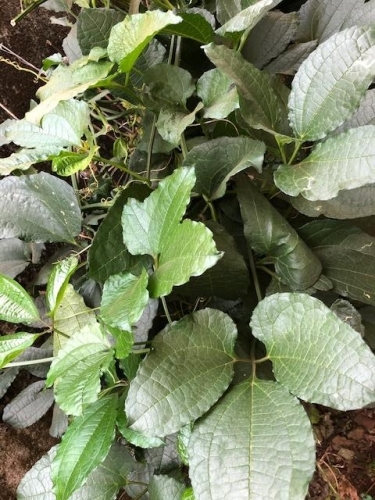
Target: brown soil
{"points": [[345, 440]]}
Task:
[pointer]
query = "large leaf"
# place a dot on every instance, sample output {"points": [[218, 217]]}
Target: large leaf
{"points": [[108, 254], [102, 483], [315, 355], [265, 109], [70, 316], [270, 37], [228, 279], [345, 161], [58, 281], [128, 38], [180, 250], [94, 27], [16, 305], [194, 359], [76, 370], [84, 446], [328, 88], [164, 487], [250, 447], [24, 158], [267, 232], [218, 94], [217, 160], [13, 345], [15, 256], [365, 114], [28, 406], [289, 61], [247, 18], [124, 298], [194, 26], [38, 207], [338, 245]]}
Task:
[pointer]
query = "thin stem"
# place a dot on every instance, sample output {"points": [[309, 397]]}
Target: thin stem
{"points": [[171, 49], [165, 307], [150, 148], [177, 55], [141, 351], [122, 167], [184, 149], [211, 207], [295, 152], [24, 13], [254, 274], [27, 363], [104, 206]]}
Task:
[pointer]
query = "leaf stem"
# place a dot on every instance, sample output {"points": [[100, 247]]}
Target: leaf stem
{"points": [[27, 363], [165, 307], [141, 351], [254, 274], [150, 148], [297, 146], [211, 207], [184, 149], [122, 167]]}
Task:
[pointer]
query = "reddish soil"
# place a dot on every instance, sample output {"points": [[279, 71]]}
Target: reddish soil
{"points": [[345, 441]]}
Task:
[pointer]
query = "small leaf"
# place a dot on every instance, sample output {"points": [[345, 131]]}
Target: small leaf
{"points": [[58, 281], [124, 298], [344, 161], [247, 18], [162, 487], [68, 162], [218, 93], [138, 439], [94, 27], [249, 446], [193, 26], [315, 355], [71, 316], [108, 254], [217, 160], [15, 256], [267, 232], [12, 346], [173, 122], [124, 341], [76, 370], [261, 92], [198, 352], [84, 446], [270, 37], [29, 406], [46, 209], [328, 88], [16, 305], [128, 38]]}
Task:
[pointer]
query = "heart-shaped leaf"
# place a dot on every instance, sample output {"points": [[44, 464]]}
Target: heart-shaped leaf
{"points": [[315, 355], [194, 359]]}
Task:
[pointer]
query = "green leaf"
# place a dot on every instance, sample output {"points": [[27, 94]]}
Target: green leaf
{"points": [[289, 61], [108, 254], [124, 298], [38, 207], [67, 82], [218, 93], [76, 370], [180, 250], [58, 281], [194, 359], [247, 18], [94, 27], [193, 26], [124, 341], [68, 162], [102, 483], [267, 232], [128, 38], [344, 161], [265, 109], [327, 89], [16, 305], [164, 459], [338, 245], [84, 446], [165, 487], [365, 114], [270, 37], [28, 406], [249, 446], [232, 266], [226, 10], [13, 345], [23, 159], [315, 355], [167, 85], [15, 256], [71, 315], [172, 122], [63, 126], [217, 160]]}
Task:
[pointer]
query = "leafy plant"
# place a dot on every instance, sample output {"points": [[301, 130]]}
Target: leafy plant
{"points": [[206, 305]]}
